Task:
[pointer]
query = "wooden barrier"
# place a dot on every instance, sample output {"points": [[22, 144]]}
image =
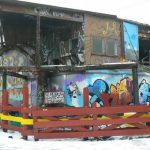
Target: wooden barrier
{"points": [[4, 123], [69, 122], [84, 122], [19, 123], [81, 122]]}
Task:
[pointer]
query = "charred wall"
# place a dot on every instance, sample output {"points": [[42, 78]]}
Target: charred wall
{"points": [[102, 40]]}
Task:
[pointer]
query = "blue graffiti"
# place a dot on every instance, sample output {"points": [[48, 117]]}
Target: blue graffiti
{"points": [[95, 91], [75, 98], [144, 92]]}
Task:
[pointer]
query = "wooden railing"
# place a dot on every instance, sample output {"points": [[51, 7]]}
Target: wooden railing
{"points": [[64, 122], [90, 122]]}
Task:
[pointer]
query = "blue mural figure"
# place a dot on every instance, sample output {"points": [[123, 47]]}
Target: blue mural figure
{"points": [[144, 92], [99, 86], [75, 95]]}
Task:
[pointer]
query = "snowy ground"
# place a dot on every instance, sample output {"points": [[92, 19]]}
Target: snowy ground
{"points": [[16, 143]]}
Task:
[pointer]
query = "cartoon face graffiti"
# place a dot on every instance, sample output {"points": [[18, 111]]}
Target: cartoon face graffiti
{"points": [[144, 92], [99, 93], [74, 93]]}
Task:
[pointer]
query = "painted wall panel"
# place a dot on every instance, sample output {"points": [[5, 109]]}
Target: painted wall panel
{"points": [[131, 42], [106, 88], [14, 84], [14, 87]]}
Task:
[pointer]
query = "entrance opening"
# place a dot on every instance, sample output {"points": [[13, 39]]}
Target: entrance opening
{"points": [[144, 45], [61, 41]]}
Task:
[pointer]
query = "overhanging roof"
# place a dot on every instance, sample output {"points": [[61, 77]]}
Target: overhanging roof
{"points": [[65, 68], [35, 5]]}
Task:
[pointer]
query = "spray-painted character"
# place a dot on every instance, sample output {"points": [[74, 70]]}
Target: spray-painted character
{"points": [[74, 93], [144, 92], [99, 93]]}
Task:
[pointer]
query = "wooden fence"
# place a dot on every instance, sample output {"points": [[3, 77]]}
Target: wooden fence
{"points": [[64, 122]]}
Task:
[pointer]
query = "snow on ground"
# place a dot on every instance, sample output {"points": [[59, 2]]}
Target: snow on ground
{"points": [[16, 143]]}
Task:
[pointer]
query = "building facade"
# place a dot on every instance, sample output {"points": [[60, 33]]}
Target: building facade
{"points": [[33, 35]]}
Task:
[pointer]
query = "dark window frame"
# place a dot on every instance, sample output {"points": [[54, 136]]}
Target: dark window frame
{"points": [[104, 47], [115, 50]]}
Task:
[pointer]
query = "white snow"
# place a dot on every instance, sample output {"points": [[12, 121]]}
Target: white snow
{"points": [[16, 143]]}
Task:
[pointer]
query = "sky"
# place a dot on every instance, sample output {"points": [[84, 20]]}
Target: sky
{"points": [[136, 10]]}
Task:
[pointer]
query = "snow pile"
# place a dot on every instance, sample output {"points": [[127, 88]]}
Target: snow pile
{"points": [[13, 141]]}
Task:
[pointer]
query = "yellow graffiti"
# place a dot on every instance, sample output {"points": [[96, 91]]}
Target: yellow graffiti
{"points": [[121, 93], [111, 27]]}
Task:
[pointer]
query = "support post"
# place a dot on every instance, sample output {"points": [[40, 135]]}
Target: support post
{"points": [[37, 53], [135, 86], [5, 103], [25, 92], [86, 97], [122, 43], [4, 99]]}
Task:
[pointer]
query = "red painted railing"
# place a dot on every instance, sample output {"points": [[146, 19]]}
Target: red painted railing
{"points": [[72, 122], [84, 122]]}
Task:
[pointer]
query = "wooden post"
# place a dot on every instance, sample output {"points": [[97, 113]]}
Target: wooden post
{"points": [[86, 97], [5, 103], [95, 127], [122, 41], [25, 92], [38, 45], [135, 86], [4, 99], [35, 119]]}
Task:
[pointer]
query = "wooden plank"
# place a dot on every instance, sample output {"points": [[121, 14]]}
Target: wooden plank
{"points": [[27, 132], [73, 123], [139, 125], [11, 108], [85, 111], [118, 132], [10, 127], [86, 97]]}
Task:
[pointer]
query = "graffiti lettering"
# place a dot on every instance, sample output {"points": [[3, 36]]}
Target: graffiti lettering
{"points": [[58, 14], [13, 58], [54, 97]]}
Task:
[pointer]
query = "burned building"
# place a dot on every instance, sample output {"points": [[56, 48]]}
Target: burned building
{"points": [[41, 43], [54, 36]]}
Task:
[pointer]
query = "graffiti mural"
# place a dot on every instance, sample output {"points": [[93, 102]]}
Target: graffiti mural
{"points": [[13, 58], [122, 93], [14, 85], [144, 87], [98, 91], [131, 42], [106, 88], [144, 92], [58, 14], [74, 93]]}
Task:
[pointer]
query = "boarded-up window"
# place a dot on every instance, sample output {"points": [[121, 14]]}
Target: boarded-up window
{"points": [[105, 46], [98, 45], [111, 47]]}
